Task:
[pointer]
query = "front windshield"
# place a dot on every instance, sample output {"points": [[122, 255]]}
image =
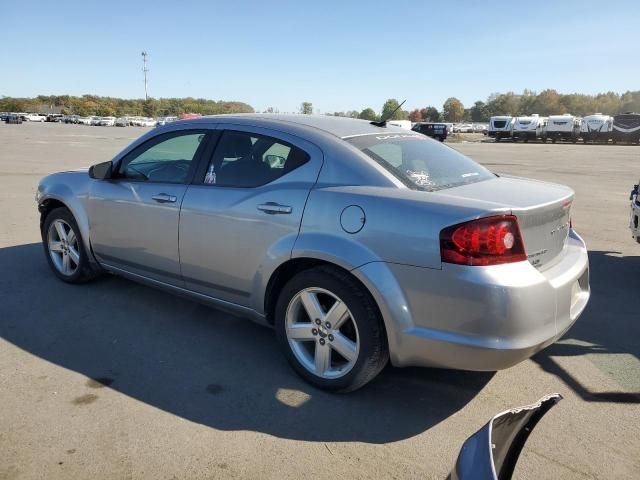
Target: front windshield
{"points": [[419, 162]]}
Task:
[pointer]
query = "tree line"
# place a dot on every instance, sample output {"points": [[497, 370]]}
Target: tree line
{"points": [[548, 102], [89, 105]]}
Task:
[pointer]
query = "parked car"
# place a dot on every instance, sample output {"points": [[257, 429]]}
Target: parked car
{"points": [[463, 128], [13, 118], [106, 121], [84, 120], [3, 116], [165, 120], [122, 122], [55, 117], [635, 213], [188, 116], [357, 241], [73, 119], [433, 130], [36, 117]]}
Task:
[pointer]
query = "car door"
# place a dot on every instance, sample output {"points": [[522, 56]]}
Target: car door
{"points": [[133, 216], [242, 213]]}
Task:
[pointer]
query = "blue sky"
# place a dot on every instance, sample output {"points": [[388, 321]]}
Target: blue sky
{"points": [[339, 55]]}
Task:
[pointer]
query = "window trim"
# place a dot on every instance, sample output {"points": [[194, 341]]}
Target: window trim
{"points": [[157, 139], [206, 160]]}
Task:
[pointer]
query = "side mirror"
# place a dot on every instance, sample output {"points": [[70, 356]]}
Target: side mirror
{"points": [[101, 171]]}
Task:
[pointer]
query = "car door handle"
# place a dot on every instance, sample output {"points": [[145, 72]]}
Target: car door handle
{"points": [[164, 198], [273, 208]]}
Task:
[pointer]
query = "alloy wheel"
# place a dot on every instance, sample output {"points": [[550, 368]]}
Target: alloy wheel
{"points": [[322, 333], [62, 243]]}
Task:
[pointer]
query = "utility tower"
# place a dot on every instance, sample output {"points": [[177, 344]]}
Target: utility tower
{"points": [[145, 70]]}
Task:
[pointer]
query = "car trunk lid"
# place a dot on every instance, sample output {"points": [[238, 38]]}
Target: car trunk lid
{"points": [[543, 211]]}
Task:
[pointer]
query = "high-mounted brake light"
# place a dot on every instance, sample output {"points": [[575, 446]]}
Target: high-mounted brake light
{"points": [[482, 242]]}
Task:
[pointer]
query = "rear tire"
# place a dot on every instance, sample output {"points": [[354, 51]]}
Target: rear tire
{"points": [[64, 248], [357, 349]]}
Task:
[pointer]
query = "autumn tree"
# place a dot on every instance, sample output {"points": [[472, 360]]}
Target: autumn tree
{"points": [[415, 115], [453, 110]]}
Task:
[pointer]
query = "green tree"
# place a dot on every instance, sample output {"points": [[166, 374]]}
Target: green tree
{"points": [[479, 112], [630, 102], [368, 114], [150, 108], [453, 110], [306, 108], [503, 104], [391, 105], [430, 114], [105, 111]]}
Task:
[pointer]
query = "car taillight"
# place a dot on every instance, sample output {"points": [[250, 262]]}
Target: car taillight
{"points": [[482, 242]]}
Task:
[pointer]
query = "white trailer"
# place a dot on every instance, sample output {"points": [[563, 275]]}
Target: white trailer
{"points": [[596, 128], [562, 127], [406, 124], [500, 127], [529, 127]]}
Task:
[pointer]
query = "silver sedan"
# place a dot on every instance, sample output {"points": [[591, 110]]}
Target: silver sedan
{"points": [[358, 242]]}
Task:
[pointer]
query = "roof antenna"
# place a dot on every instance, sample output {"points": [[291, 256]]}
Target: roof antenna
{"points": [[383, 121]]}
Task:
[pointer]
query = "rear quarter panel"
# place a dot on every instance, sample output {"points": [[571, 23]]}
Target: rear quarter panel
{"points": [[401, 225]]}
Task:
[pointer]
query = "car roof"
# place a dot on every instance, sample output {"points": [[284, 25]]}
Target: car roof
{"points": [[341, 127]]}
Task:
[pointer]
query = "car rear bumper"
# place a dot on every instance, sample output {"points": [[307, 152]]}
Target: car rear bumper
{"points": [[478, 318]]}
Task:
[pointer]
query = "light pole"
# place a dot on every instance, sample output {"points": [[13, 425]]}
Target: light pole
{"points": [[145, 70]]}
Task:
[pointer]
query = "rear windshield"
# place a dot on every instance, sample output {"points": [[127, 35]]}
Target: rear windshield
{"points": [[419, 162]]}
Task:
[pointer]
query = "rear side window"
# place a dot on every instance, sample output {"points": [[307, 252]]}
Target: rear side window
{"points": [[419, 162], [248, 160]]}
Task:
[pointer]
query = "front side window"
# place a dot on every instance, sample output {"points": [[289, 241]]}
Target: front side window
{"points": [[419, 162], [167, 161], [249, 160]]}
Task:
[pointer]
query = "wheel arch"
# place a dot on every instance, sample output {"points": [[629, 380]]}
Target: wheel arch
{"points": [[287, 270], [49, 202]]}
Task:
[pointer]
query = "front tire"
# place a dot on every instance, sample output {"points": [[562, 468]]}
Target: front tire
{"points": [[330, 329], [64, 247]]}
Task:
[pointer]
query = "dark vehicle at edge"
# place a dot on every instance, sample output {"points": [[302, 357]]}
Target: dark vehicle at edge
{"points": [[438, 131], [626, 128], [13, 118]]}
